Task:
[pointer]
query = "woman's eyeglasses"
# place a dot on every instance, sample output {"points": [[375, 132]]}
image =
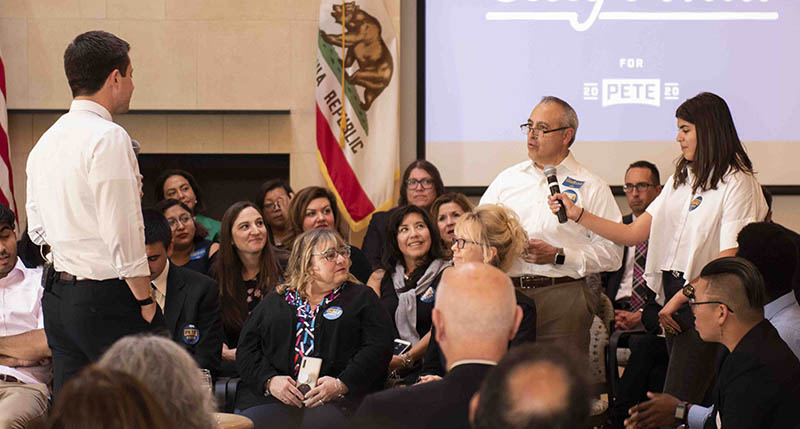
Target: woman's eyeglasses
{"points": [[461, 242], [330, 254]]}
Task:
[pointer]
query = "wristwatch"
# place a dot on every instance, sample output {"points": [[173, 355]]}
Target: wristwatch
{"points": [[681, 412], [266, 387], [559, 260]]}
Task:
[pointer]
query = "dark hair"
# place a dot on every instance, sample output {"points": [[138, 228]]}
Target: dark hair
{"points": [[391, 253], [198, 193], [301, 200], [200, 232], [450, 197], [495, 405], [107, 398], [718, 150], [772, 249], [430, 169], [156, 228], [7, 217], [654, 175], [233, 298], [29, 252], [767, 197], [270, 185], [91, 57], [744, 271]]}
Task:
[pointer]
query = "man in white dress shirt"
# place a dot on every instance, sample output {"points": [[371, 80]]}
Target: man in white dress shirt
{"points": [[558, 257], [83, 200], [24, 355]]}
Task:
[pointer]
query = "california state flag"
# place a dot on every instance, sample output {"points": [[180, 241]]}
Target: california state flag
{"points": [[357, 113]]}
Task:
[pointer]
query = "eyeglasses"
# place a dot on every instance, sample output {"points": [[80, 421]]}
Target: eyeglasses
{"points": [[183, 220], [413, 183], [538, 131], [330, 254], [461, 242], [272, 206], [641, 187], [688, 291]]}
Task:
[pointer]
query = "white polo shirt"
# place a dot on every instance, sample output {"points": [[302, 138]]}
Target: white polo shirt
{"points": [[523, 188], [689, 230]]}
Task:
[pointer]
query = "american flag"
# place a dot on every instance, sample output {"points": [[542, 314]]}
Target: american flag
{"points": [[6, 180]]}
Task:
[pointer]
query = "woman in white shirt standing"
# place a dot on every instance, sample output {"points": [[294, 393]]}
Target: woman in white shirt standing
{"points": [[711, 196]]}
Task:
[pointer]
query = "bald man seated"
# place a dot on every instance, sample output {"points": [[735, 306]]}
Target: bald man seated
{"points": [[475, 316], [533, 387]]}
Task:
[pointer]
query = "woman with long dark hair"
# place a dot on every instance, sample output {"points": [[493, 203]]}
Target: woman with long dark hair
{"points": [[711, 196], [182, 186], [190, 248], [246, 270]]}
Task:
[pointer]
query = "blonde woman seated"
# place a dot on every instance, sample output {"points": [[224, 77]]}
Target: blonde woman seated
{"points": [[492, 235], [321, 312]]}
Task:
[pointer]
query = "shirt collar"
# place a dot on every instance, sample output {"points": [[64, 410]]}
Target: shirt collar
{"points": [[473, 362], [16, 275], [90, 106], [567, 165], [776, 306], [161, 280]]}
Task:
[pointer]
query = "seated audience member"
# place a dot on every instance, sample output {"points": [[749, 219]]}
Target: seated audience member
{"points": [[24, 354], [180, 185], [171, 375], [491, 235], [314, 208], [533, 387], [274, 197], [189, 247], [189, 300], [758, 384], [446, 210], [323, 312], [101, 398], [476, 315], [421, 184], [246, 270], [412, 265]]}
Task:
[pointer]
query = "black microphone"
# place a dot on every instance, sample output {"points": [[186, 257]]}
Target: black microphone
{"points": [[552, 181]]}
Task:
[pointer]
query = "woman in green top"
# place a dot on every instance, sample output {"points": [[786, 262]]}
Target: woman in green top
{"points": [[182, 186]]}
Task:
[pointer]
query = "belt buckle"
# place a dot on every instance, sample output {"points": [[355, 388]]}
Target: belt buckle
{"points": [[524, 279]]}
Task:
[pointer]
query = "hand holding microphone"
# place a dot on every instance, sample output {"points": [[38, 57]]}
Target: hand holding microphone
{"points": [[560, 204]]}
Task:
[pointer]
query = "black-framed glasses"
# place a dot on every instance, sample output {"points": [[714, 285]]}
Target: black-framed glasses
{"points": [[331, 254], [461, 242], [538, 131], [183, 220], [641, 187], [272, 206], [688, 291], [425, 183]]}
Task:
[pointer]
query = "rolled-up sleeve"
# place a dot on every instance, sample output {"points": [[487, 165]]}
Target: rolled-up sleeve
{"points": [[744, 204], [113, 180]]}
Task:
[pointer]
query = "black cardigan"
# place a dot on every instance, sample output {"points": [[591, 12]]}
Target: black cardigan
{"points": [[356, 347]]}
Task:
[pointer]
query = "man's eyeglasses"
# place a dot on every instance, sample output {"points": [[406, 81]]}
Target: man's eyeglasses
{"points": [[641, 187], [425, 183], [183, 220], [330, 254], [271, 206], [461, 242], [538, 131], [688, 291]]}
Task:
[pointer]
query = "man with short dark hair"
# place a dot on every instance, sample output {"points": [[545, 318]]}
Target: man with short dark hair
{"points": [[189, 300], [475, 316], [24, 364], [533, 387], [274, 198], [84, 201]]}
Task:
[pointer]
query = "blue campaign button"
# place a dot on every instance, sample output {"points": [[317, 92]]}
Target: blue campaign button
{"points": [[333, 313], [428, 296], [191, 335]]}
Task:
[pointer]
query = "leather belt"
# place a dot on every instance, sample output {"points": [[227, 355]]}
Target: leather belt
{"points": [[67, 277], [533, 282], [9, 378]]}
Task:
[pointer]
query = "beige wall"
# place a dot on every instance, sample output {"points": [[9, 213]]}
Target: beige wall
{"points": [[187, 55]]}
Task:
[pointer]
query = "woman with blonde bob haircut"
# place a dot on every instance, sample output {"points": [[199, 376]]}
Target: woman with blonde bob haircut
{"points": [[170, 373], [321, 311], [492, 235]]}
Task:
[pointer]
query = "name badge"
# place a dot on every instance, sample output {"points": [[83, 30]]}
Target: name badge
{"points": [[191, 335], [197, 254], [569, 182], [695, 203], [428, 296], [333, 313]]}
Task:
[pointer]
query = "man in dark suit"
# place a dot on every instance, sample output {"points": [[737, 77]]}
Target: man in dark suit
{"points": [[189, 300], [475, 316]]}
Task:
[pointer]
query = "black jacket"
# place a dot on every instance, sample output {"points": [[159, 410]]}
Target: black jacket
{"points": [[375, 238], [438, 404], [355, 347], [191, 312]]}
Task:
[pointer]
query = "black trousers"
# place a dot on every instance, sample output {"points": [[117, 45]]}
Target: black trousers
{"points": [[645, 372], [83, 318]]}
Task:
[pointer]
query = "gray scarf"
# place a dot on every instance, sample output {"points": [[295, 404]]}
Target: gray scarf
{"points": [[405, 317]]}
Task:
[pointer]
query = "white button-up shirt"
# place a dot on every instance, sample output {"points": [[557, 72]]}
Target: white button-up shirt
{"points": [[688, 230], [83, 196], [523, 188], [20, 312]]}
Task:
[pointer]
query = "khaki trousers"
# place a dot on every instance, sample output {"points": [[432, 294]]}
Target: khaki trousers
{"points": [[21, 403]]}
